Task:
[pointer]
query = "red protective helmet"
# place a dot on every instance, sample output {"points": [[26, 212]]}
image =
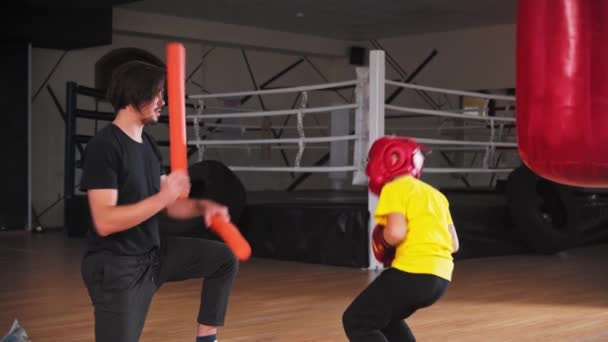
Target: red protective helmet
{"points": [[380, 168]]}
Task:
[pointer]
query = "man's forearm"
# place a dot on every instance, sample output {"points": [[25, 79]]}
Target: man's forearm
{"points": [[118, 218], [186, 208], [190, 208]]}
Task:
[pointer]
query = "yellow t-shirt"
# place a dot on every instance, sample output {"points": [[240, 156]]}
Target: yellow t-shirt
{"points": [[427, 247]]}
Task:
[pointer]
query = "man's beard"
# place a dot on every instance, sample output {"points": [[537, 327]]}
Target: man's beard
{"points": [[149, 119]]}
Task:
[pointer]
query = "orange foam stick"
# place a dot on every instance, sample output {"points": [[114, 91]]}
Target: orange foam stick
{"points": [[232, 236], [176, 75]]}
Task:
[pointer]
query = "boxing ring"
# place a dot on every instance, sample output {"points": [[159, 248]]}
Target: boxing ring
{"points": [[333, 226]]}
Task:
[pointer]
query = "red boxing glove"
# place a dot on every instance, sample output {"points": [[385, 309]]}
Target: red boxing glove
{"points": [[383, 252]]}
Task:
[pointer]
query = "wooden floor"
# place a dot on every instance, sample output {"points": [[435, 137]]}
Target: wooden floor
{"points": [[515, 298]]}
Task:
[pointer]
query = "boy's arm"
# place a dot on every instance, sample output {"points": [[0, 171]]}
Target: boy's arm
{"points": [[396, 228], [455, 243]]}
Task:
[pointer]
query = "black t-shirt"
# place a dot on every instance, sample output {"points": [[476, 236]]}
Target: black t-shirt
{"points": [[113, 160]]}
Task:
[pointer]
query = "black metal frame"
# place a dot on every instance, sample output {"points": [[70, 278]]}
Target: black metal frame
{"points": [[72, 142]]}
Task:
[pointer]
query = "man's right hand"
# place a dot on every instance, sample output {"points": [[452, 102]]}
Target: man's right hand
{"points": [[174, 185]]}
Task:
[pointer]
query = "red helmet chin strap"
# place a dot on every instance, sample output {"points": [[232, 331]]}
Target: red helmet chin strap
{"points": [[418, 162]]}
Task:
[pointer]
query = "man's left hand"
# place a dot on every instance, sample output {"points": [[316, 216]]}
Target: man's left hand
{"points": [[211, 208]]}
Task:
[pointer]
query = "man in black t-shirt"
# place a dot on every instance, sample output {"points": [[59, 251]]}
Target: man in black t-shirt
{"points": [[126, 259]]}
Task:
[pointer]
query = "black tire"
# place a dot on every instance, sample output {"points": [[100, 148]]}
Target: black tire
{"points": [[543, 212], [211, 180]]}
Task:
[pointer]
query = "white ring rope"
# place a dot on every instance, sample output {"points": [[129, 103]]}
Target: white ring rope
{"points": [[475, 110], [277, 91], [322, 147], [445, 128], [283, 147], [326, 109], [451, 91], [441, 113], [326, 147], [243, 128], [314, 169], [272, 141], [466, 143], [303, 103], [465, 170], [467, 148], [301, 140], [229, 108], [199, 148], [490, 149]]}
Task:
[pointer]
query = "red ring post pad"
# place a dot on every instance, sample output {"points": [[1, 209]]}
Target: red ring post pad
{"points": [[231, 236], [176, 75]]}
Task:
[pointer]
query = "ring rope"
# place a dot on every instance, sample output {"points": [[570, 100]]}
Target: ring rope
{"points": [[451, 91], [303, 103], [277, 91], [273, 141], [445, 114], [327, 109]]}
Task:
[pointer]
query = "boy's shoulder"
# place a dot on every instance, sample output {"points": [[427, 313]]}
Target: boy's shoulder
{"points": [[414, 182]]}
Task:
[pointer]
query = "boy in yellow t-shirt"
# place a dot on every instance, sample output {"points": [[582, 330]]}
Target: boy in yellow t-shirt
{"points": [[414, 234]]}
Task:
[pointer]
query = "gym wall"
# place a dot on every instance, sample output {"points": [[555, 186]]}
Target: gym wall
{"points": [[14, 137], [224, 69]]}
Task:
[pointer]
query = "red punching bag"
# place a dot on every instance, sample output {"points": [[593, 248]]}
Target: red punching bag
{"points": [[562, 89]]}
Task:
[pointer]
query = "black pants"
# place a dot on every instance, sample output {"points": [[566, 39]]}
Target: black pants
{"points": [[377, 314], [121, 287]]}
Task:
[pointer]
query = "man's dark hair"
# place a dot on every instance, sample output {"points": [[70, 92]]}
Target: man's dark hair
{"points": [[135, 83]]}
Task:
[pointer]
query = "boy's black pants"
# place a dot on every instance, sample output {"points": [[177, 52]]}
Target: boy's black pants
{"points": [[377, 314]]}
